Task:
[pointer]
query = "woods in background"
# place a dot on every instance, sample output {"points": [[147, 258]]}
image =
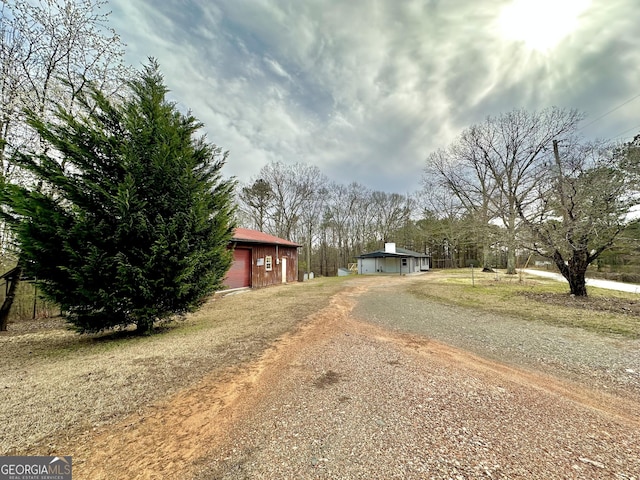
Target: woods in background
{"points": [[516, 186]]}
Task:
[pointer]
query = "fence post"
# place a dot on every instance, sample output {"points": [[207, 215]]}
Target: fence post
{"points": [[35, 300]]}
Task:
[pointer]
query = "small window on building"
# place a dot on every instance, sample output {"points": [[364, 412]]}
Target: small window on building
{"points": [[404, 262], [268, 263]]}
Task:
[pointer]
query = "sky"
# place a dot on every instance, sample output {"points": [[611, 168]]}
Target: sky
{"points": [[366, 89]]}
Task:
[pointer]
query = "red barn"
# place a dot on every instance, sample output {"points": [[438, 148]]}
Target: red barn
{"points": [[260, 260]]}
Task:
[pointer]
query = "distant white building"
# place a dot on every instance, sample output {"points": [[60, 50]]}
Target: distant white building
{"points": [[392, 260]]}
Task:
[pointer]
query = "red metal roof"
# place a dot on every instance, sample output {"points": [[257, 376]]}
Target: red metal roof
{"points": [[254, 236]]}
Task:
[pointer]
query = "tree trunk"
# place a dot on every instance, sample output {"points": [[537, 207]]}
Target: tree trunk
{"points": [[144, 326], [5, 310], [578, 264], [308, 256], [486, 256], [574, 271], [511, 259], [578, 285]]}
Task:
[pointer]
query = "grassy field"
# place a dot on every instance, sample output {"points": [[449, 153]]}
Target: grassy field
{"points": [[535, 299]]}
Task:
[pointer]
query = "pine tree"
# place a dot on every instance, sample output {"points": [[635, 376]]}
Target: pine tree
{"points": [[128, 219]]}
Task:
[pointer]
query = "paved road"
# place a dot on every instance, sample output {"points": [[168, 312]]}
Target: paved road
{"points": [[591, 282]]}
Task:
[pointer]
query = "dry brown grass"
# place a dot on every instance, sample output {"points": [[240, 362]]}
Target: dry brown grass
{"points": [[56, 384]]}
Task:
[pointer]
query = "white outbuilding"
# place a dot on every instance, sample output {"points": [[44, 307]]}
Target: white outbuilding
{"points": [[393, 260]]}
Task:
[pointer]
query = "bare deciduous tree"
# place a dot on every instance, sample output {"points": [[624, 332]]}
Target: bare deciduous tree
{"points": [[510, 154], [578, 209], [293, 187], [516, 147], [49, 50], [391, 213], [461, 169]]}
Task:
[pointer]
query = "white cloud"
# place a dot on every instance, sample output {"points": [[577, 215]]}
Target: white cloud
{"points": [[276, 68], [366, 89]]}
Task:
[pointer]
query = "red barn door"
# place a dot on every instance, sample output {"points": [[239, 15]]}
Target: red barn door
{"points": [[239, 275]]}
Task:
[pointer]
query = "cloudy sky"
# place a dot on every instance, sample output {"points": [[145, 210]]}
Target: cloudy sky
{"points": [[366, 89]]}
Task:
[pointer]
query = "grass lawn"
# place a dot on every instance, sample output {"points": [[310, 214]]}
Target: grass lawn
{"points": [[534, 298]]}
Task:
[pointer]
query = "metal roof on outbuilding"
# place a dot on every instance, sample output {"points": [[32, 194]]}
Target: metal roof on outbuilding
{"points": [[254, 236], [400, 252]]}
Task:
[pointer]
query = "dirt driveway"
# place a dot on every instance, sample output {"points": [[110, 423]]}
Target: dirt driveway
{"points": [[348, 397]]}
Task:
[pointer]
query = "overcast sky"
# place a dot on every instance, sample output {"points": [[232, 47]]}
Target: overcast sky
{"points": [[366, 89]]}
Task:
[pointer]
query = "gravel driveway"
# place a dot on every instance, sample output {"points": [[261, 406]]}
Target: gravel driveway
{"points": [[365, 391], [606, 362]]}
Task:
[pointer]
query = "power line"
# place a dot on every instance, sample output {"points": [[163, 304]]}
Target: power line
{"points": [[619, 135], [610, 111]]}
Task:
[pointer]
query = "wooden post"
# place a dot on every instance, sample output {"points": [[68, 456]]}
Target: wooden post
{"points": [[35, 300], [12, 284]]}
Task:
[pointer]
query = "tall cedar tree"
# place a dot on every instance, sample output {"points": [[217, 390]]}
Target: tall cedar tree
{"points": [[130, 218]]}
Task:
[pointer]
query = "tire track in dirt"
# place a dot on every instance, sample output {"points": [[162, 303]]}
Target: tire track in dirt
{"points": [[166, 440]]}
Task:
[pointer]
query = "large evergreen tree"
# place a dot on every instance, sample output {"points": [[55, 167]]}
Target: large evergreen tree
{"points": [[129, 218]]}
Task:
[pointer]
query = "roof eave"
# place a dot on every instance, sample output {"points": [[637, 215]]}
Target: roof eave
{"points": [[265, 242]]}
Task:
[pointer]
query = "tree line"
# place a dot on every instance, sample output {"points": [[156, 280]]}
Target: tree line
{"points": [[517, 184], [334, 223], [550, 191], [115, 205]]}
